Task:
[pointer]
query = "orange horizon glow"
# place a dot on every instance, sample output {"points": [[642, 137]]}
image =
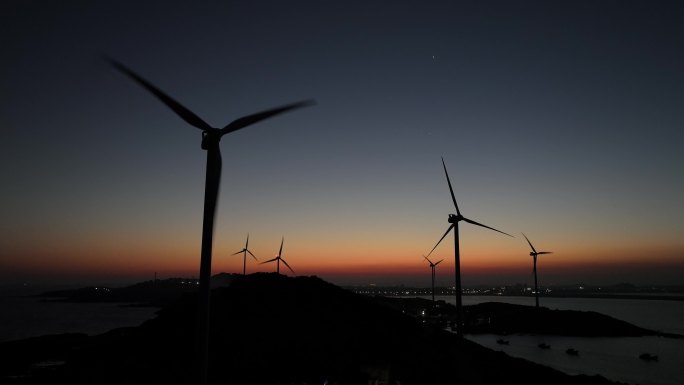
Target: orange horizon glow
{"points": [[128, 261], [352, 257]]}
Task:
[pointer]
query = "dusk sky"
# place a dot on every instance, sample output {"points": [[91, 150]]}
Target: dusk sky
{"points": [[560, 119]]}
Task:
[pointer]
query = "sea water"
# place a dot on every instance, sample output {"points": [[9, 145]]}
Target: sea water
{"points": [[616, 358], [22, 316]]}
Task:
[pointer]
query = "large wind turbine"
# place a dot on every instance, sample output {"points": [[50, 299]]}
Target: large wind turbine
{"points": [[279, 258], [211, 137], [245, 251], [454, 219], [534, 254], [432, 267]]}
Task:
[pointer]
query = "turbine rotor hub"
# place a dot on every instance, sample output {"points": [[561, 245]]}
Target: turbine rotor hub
{"points": [[453, 218], [210, 138]]}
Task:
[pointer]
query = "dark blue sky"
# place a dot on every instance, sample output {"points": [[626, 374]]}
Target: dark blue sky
{"points": [[561, 119]]}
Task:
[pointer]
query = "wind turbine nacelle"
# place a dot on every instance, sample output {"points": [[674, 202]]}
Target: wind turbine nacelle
{"points": [[453, 218], [210, 139]]}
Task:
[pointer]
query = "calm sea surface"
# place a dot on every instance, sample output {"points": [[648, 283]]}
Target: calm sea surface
{"points": [[613, 358], [22, 316]]}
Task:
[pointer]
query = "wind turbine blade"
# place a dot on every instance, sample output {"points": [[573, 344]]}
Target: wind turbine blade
{"points": [[259, 116], [544, 252], [528, 241], [487, 227], [427, 259], [280, 252], [440, 239], [247, 243], [453, 198], [270, 260], [179, 109], [288, 266], [440, 261], [239, 252], [253, 256]]}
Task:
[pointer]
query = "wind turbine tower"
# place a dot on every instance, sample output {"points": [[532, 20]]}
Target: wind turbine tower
{"points": [[279, 258], [211, 138], [433, 266], [454, 219], [534, 254], [245, 251]]}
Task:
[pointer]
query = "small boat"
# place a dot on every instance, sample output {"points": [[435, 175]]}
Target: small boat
{"points": [[502, 341], [572, 352], [648, 357], [544, 346]]}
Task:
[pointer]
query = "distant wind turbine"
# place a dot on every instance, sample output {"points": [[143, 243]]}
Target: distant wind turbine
{"points": [[534, 254], [454, 219], [210, 142], [245, 251], [279, 258], [432, 267]]}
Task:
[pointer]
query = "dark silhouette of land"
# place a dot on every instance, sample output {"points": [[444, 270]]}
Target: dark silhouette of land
{"points": [[504, 318], [490, 317], [157, 293], [273, 329], [618, 291]]}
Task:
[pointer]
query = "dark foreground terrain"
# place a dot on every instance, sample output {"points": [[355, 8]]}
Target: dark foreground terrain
{"points": [[271, 329]]}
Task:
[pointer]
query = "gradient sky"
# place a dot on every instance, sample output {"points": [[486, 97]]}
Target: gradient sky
{"points": [[562, 119]]}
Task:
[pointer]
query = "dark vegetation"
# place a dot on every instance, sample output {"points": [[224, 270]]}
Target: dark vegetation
{"points": [[271, 329]]}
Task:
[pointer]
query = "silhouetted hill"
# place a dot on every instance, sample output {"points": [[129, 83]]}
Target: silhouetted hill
{"points": [[494, 317], [272, 329], [159, 292], [504, 318]]}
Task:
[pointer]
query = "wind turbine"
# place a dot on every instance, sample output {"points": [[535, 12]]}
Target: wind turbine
{"points": [[534, 254], [454, 219], [279, 258], [211, 137], [433, 266], [245, 251]]}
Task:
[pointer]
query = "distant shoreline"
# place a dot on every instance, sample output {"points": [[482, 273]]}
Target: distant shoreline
{"points": [[673, 297], [676, 297], [160, 292], [154, 298]]}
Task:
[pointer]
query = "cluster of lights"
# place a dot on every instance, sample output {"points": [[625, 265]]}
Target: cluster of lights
{"points": [[495, 291]]}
